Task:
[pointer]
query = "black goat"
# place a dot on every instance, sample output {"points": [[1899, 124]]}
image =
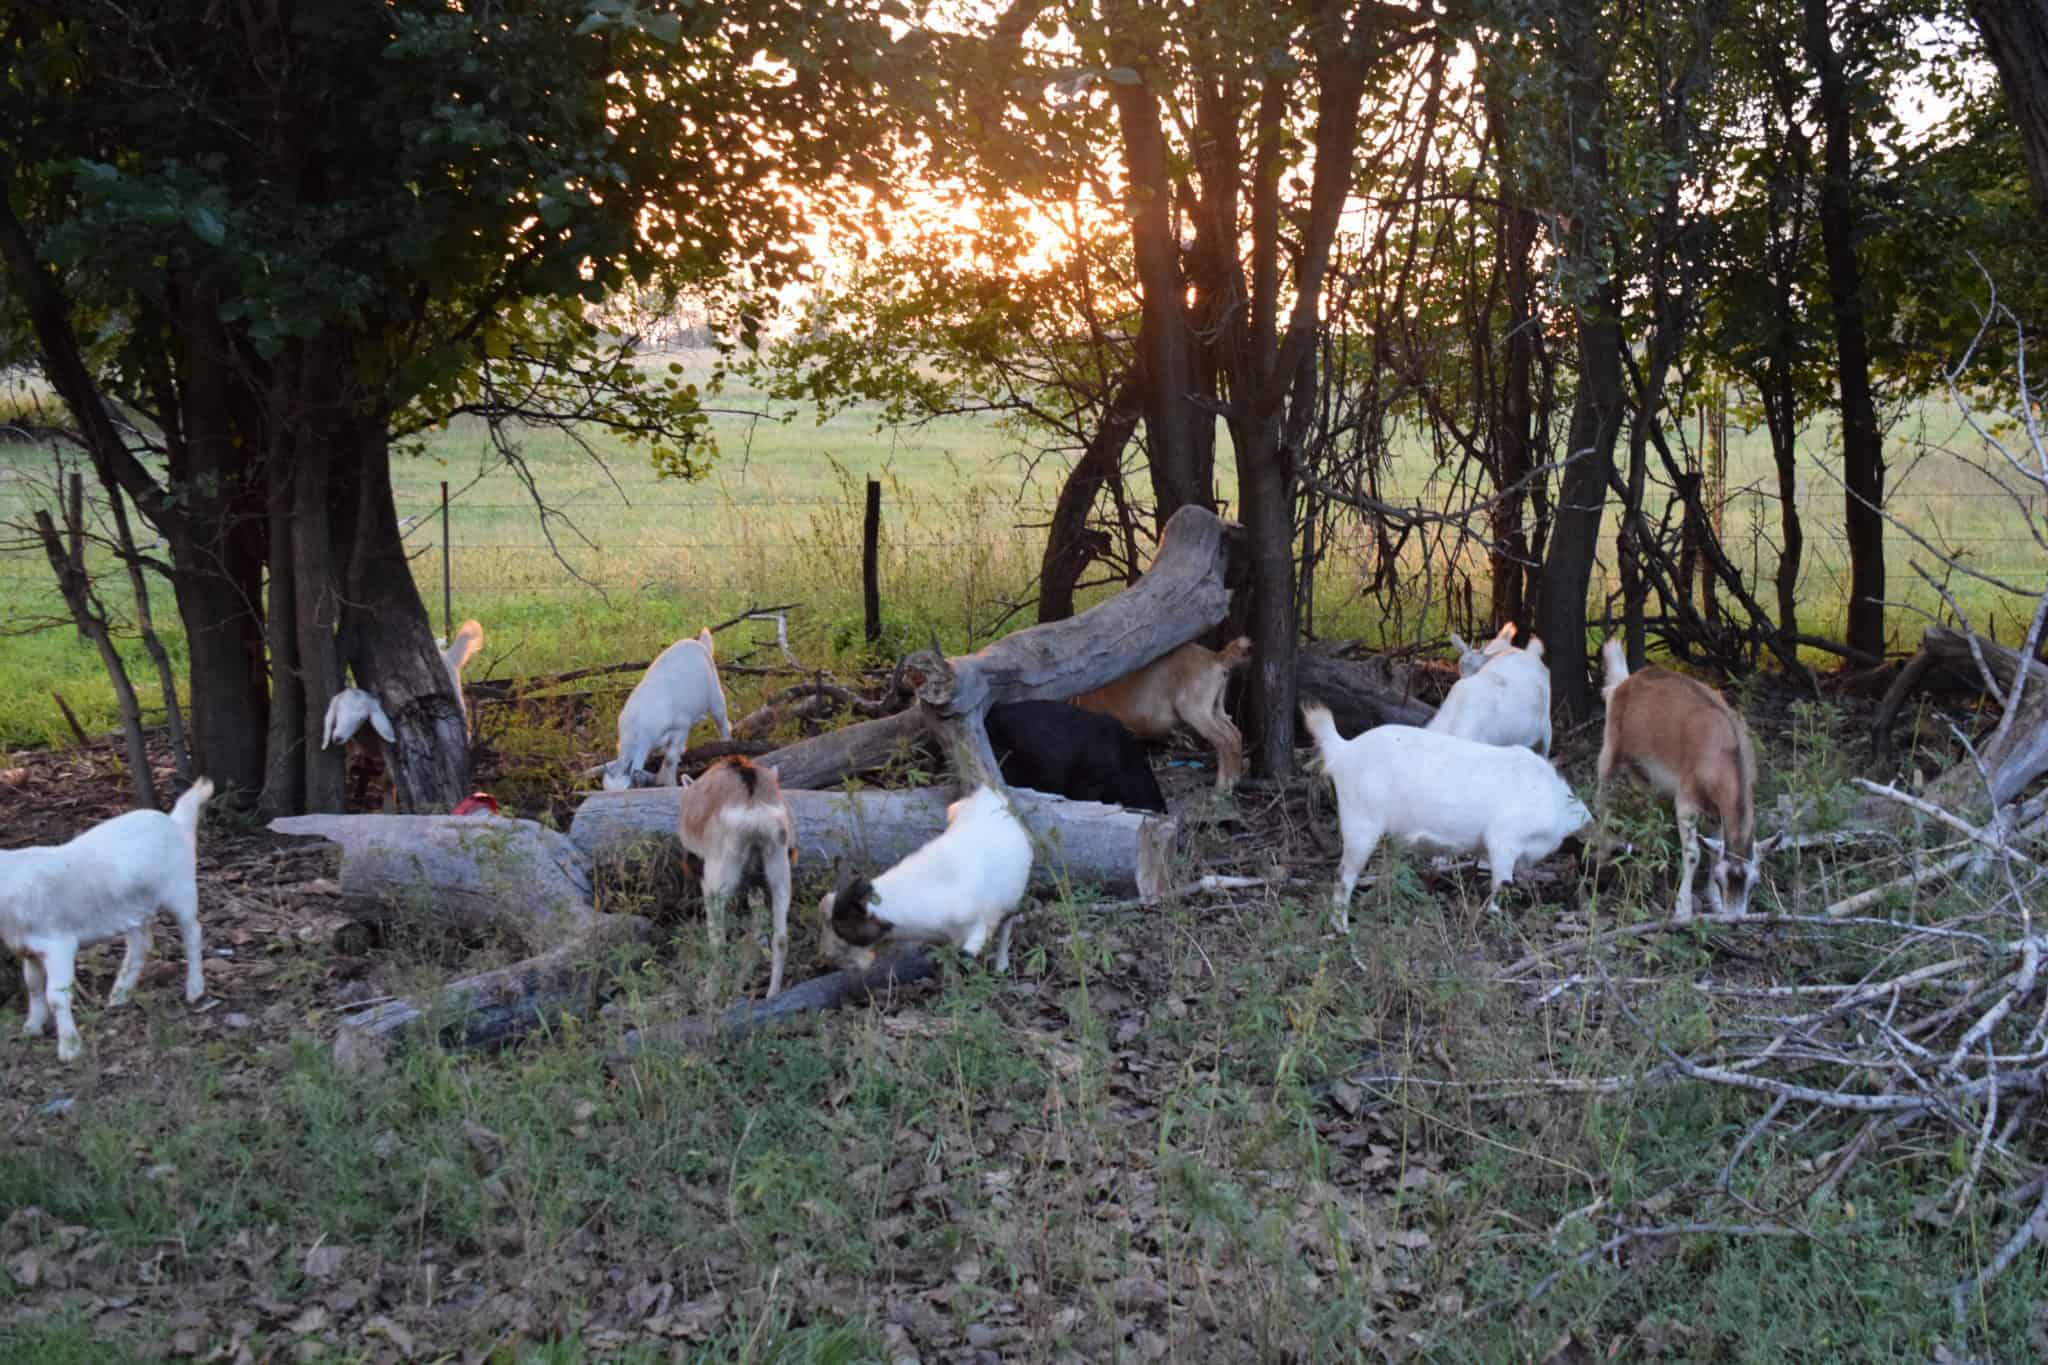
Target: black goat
{"points": [[1051, 746]]}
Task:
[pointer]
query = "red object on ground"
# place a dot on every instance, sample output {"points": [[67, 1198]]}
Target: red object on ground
{"points": [[476, 803]]}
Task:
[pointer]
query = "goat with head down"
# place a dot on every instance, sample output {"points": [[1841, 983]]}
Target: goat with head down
{"points": [[962, 886], [678, 689], [1693, 747], [734, 820], [1503, 697], [1184, 687], [1441, 792]]}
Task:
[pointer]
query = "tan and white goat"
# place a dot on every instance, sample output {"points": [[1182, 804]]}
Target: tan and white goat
{"points": [[735, 820], [1184, 687], [1691, 746]]}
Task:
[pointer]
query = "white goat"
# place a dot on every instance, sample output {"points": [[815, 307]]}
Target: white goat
{"points": [[1183, 687], [1445, 793], [468, 640], [1504, 700], [1691, 746], [346, 712], [1471, 660], [959, 888], [734, 819], [110, 880], [679, 689]]}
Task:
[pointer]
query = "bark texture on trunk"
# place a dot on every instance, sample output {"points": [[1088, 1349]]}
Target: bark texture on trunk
{"points": [[1862, 443], [2016, 36]]}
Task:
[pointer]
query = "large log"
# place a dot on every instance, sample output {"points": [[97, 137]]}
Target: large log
{"points": [[467, 872], [829, 991], [1181, 595], [827, 760], [2013, 762], [1079, 842], [1360, 693], [496, 1008]]}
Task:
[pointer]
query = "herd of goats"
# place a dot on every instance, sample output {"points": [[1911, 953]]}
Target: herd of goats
{"points": [[1477, 779]]}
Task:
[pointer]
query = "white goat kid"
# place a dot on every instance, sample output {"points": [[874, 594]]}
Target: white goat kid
{"points": [[679, 689], [346, 712], [734, 819], [959, 888], [110, 880], [1691, 746], [1504, 700], [1444, 793]]}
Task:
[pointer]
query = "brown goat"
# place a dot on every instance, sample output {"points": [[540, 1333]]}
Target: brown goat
{"points": [[1184, 687], [1692, 746], [735, 820]]}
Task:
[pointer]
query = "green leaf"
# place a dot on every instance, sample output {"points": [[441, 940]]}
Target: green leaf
{"points": [[206, 225]]}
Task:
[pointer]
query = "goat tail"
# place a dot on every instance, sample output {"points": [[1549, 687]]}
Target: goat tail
{"points": [[1324, 729], [1237, 653], [1616, 664], [468, 640], [185, 814]]}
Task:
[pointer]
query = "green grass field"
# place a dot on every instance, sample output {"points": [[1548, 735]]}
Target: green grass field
{"points": [[778, 520]]}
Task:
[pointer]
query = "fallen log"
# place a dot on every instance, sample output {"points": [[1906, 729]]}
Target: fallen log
{"points": [[2012, 760], [827, 760], [1079, 842], [466, 872], [826, 992], [1181, 595], [1360, 693], [496, 1008]]}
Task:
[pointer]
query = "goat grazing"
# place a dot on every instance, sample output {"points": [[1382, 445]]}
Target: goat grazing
{"points": [[1050, 746], [1184, 687], [346, 712], [1691, 746], [457, 655], [734, 819], [1441, 792], [679, 689], [1504, 700], [110, 880], [959, 888]]}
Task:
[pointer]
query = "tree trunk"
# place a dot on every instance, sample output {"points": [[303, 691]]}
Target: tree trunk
{"points": [[317, 570], [2016, 37], [389, 641], [1862, 443], [1510, 552], [1582, 498], [284, 773], [1165, 348], [1068, 545], [1266, 487]]}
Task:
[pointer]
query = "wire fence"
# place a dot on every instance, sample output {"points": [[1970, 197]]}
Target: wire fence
{"points": [[976, 550]]}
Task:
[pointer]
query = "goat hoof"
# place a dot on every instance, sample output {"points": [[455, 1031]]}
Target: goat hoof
{"points": [[117, 999], [68, 1050]]}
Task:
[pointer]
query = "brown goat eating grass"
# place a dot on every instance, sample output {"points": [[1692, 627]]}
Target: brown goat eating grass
{"points": [[1184, 687], [734, 819], [1685, 739]]}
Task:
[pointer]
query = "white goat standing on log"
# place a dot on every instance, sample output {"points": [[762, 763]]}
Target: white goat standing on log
{"points": [[1184, 687], [112, 879], [679, 689], [1503, 697], [734, 819], [1691, 746]]}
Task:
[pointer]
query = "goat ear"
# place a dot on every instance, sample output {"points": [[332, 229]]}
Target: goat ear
{"points": [[1765, 846], [704, 639], [1506, 634], [1458, 643], [1715, 844]]}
